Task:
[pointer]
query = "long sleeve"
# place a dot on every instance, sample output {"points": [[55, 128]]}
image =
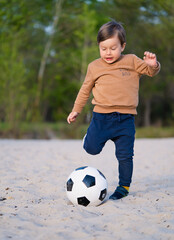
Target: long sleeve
{"points": [[143, 68], [84, 92]]}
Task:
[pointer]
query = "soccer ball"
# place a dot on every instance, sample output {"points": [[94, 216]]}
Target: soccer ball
{"points": [[86, 186]]}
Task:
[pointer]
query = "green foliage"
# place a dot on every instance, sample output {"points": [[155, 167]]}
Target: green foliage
{"points": [[25, 27], [13, 91]]}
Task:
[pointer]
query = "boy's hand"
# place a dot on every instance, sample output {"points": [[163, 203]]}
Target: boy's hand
{"points": [[150, 59], [72, 117]]}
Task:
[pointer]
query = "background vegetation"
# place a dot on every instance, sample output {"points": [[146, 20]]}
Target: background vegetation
{"points": [[45, 47]]}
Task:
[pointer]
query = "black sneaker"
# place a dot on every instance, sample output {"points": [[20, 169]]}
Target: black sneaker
{"points": [[119, 193]]}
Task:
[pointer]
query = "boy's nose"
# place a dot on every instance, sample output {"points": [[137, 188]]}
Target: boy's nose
{"points": [[108, 51]]}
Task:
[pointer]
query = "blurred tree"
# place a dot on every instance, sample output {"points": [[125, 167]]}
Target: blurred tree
{"points": [[77, 47], [158, 29], [13, 90], [25, 30], [44, 58]]}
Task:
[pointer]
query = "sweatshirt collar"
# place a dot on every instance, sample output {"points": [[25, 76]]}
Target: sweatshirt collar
{"points": [[111, 64]]}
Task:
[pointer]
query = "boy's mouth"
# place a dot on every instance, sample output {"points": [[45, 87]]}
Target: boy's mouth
{"points": [[109, 59]]}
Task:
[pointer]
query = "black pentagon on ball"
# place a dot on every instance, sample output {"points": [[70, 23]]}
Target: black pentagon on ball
{"points": [[83, 201], [101, 173], [103, 194], [89, 181], [81, 168], [69, 185]]}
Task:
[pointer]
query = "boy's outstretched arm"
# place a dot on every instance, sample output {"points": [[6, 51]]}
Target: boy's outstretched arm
{"points": [[150, 59], [72, 117]]}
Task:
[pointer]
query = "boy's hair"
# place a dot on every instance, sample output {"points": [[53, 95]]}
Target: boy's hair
{"points": [[109, 29]]}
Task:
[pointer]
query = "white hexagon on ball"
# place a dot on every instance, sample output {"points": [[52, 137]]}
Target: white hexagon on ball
{"points": [[86, 186]]}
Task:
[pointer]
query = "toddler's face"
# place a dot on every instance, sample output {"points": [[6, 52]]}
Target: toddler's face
{"points": [[111, 49]]}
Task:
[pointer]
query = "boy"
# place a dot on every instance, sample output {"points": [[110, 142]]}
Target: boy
{"points": [[114, 81]]}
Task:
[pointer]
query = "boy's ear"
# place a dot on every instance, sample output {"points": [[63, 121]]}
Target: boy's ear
{"points": [[123, 47]]}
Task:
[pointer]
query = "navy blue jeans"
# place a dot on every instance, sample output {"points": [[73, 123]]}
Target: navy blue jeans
{"points": [[119, 128]]}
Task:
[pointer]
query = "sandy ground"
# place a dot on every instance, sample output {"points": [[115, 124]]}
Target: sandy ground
{"points": [[34, 204]]}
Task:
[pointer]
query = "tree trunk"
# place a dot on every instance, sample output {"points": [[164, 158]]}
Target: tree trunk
{"points": [[84, 58], [45, 57], [147, 112]]}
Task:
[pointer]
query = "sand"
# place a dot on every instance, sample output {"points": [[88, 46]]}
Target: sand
{"points": [[34, 204]]}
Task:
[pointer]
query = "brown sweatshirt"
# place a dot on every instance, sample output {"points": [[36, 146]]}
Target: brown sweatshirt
{"points": [[114, 86]]}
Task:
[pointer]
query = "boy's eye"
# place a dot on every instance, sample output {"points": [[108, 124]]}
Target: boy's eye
{"points": [[114, 48]]}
